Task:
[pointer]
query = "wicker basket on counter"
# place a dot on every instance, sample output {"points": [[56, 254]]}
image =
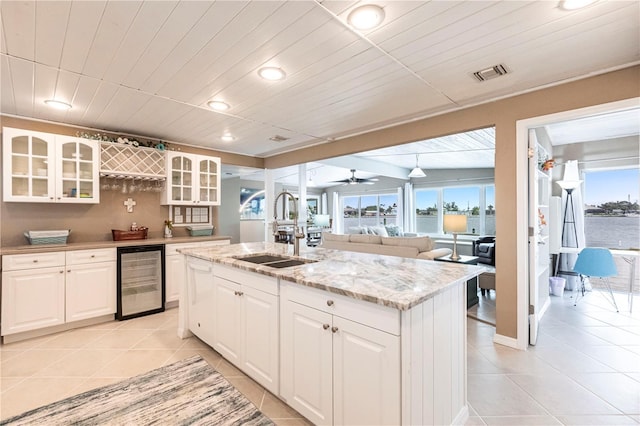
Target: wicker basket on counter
{"points": [[48, 237], [200, 230], [139, 234]]}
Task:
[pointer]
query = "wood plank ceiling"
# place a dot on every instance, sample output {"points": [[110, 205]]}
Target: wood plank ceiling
{"points": [[149, 68]]}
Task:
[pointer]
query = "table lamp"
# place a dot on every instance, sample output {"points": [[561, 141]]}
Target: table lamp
{"points": [[455, 223]]}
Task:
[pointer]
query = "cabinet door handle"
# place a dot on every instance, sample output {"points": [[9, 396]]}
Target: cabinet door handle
{"points": [[329, 302], [69, 270], [35, 260], [334, 329], [62, 272], [240, 293], [325, 326], [93, 255], [51, 198]]}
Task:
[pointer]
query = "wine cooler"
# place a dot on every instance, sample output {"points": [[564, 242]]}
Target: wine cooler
{"points": [[141, 286]]}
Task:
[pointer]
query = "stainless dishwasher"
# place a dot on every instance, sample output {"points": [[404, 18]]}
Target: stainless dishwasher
{"points": [[141, 281]]}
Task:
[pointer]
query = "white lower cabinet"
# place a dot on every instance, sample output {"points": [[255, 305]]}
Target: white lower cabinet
{"points": [[246, 323], [36, 294], [174, 271], [200, 298], [227, 308], [90, 290], [336, 370], [175, 266], [32, 299]]}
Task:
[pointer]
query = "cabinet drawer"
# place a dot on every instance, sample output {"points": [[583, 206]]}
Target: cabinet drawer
{"points": [[250, 279], [80, 257], [16, 262], [367, 313]]}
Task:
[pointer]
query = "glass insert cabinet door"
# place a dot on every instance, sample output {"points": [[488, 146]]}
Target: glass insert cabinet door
{"points": [[192, 179], [28, 159], [77, 176], [48, 168], [209, 182], [181, 180]]}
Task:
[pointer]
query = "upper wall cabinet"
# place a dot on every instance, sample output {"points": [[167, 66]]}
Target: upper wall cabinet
{"points": [[47, 168], [192, 179]]}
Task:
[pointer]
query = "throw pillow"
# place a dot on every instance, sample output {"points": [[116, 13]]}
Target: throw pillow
{"points": [[378, 230], [357, 230], [393, 230]]}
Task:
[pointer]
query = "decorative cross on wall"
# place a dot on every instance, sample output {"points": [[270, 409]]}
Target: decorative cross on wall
{"points": [[129, 203]]}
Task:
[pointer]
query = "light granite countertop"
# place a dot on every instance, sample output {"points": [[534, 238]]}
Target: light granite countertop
{"points": [[46, 248], [396, 282]]}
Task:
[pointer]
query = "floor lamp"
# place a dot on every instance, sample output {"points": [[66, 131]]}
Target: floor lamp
{"points": [[569, 182], [455, 223]]}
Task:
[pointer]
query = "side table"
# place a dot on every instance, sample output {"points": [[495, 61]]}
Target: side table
{"points": [[472, 284]]}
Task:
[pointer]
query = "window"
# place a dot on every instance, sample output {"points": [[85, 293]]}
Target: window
{"points": [[369, 210], [427, 211], [490, 210], [464, 200], [251, 203], [477, 202], [612, 214]]}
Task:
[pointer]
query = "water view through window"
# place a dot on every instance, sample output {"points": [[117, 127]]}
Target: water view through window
{"points": [[470, 201], [612, 214]]}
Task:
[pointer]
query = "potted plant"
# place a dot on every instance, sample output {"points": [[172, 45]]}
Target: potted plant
{"points": [[168, 226]]}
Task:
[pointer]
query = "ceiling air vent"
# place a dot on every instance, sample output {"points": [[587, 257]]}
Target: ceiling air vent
{"points": [[278, 138], [489, 73]]}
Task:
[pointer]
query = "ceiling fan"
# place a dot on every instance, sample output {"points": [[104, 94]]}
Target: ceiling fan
{"points": [[353, 180]]}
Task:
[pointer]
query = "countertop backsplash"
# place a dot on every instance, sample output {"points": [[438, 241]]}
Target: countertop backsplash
{"points": [[88, 222]]}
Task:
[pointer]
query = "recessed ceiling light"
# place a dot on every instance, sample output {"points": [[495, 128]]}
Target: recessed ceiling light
{"points": [[218, 105], [271, 73], [574, 4], [227, 138], [57, 104], [366, 17]]}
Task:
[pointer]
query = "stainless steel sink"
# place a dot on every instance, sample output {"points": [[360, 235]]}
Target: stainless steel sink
{"points": [[274, 260], [288, 263], [262, 258]]}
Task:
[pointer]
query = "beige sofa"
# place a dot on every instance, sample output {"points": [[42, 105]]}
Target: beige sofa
{"points": [[418, 247]]}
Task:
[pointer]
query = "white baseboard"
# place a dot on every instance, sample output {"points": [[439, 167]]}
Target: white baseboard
{"points": [[507, 341], [462, 417]]}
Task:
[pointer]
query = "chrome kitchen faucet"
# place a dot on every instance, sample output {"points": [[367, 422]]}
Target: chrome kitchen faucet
{"points": [[297, 234]]}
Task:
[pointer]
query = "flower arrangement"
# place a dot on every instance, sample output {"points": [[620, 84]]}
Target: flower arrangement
{"points": [[168, 226], [161, 146], [548, 164]]}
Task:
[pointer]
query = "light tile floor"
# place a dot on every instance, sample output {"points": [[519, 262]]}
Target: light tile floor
{"points": [[43, 370], [585, 368]]}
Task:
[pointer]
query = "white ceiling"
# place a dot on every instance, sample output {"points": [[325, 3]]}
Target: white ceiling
{"points": [[474, 149], [149, 68], [600, 127]]}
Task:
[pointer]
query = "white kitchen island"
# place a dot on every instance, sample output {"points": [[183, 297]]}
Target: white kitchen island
{"points": [[351, 338]]}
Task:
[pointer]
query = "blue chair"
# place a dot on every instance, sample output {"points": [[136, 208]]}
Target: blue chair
{"points": [[596, 262]]}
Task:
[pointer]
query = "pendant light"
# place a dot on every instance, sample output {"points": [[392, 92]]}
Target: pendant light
{"points": [[417, 171]]}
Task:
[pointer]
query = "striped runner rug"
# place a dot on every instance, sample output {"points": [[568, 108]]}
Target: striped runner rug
{"points": [[188, 392]]}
